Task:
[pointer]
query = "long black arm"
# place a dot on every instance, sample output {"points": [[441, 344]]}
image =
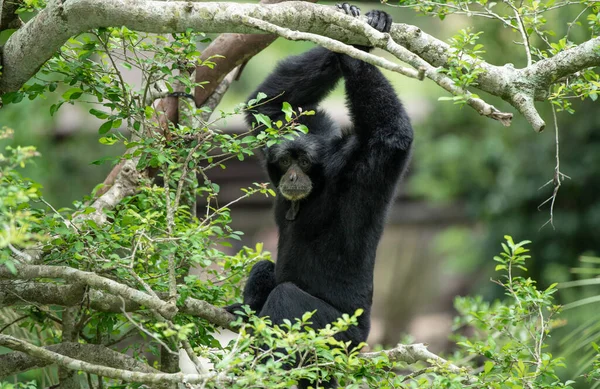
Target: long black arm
{"points": [[377, 113], [303, 81]]}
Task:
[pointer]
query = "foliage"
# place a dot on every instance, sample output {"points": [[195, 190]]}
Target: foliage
{"points": [[153, 238], [512, 334], [462, 72], [499, 175], [509, 337], [155, 235], [505, 345], [16, 219], [539, 38]]}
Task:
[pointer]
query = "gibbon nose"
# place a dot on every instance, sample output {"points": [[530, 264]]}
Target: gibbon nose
{"points": [[293, 176]]}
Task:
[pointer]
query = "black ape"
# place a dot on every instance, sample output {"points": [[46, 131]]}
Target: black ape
{"points": [[334, 189]]}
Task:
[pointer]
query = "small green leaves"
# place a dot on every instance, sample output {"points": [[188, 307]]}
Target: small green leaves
{"points": [[262, 119], [105, 127], [288, 111], [99, 114], [72, 94], [108, 140], [259, 97]]}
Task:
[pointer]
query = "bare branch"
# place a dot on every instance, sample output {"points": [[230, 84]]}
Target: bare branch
{"points": [[330, 44], [104, 371], [17, 362], [28, 48], [125, 185], [19, 293], [412, 353], [29, 272]]}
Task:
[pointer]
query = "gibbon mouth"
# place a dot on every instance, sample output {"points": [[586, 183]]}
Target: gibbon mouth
{"points": [[294, 194]]}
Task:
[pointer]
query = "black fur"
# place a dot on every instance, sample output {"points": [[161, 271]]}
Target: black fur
{"points": [[326, 255]]}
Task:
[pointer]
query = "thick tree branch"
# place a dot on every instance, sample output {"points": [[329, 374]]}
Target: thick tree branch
{"points": [[71, 356], [30, 272], [227, 52], [32, 45], [235, 49], [104, 371], [18, 362], [563, 64], [13, 293], [519, 87]]}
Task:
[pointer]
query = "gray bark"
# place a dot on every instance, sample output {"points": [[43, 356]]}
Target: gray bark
{"points": [[17, 362], [32, 45], [14, 293]]}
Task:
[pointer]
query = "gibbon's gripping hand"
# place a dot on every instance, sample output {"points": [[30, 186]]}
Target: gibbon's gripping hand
{"points": [[379, 20], [349, 9]]}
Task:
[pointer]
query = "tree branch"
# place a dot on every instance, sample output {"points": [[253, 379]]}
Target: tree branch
{"points": [[104, 371], [8, 17], [103, 359], [29, 47], [19, 293], [228, 51], [330, 44], [412, 353], [16, 362], [563, 64], [29, 272], [126, 184]]}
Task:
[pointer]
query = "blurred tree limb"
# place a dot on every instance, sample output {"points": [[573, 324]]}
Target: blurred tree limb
{"points": [[8, 16]]}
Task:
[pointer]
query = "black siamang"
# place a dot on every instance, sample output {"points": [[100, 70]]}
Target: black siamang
{"points": [[335, 187]]}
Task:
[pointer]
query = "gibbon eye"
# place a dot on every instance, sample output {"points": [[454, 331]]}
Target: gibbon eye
{"points": [[304, 163], [285, 161]]}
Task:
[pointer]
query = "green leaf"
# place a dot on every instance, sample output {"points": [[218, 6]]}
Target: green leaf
{"points": [[72, 94], [260, 96], [104, 128], [108, 140], [488, 366], [99, 114], [287, 110], [262, 119], [302, 128]]}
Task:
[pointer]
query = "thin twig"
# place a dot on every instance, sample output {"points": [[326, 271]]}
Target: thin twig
{"points": [[558, 175], [330, 44], [575, 20], [13, 322], [170, 226], [138, 326], [522, 31]]}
